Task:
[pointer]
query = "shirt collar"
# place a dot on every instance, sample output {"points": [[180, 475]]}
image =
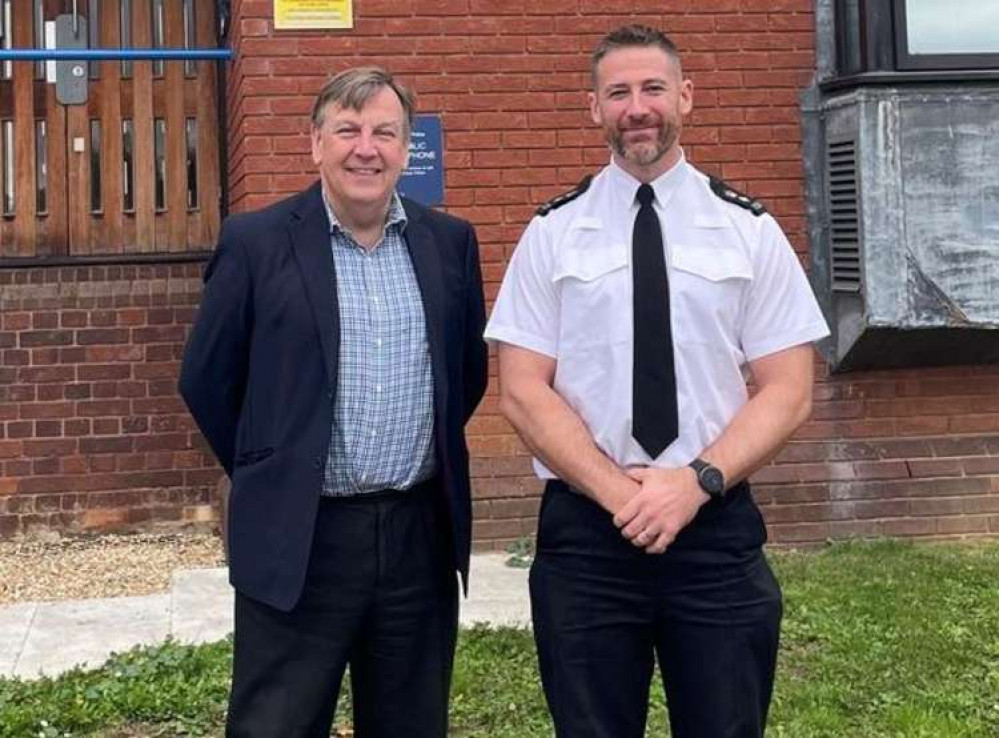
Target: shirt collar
{"points": [[396, 214], [626, 186]]}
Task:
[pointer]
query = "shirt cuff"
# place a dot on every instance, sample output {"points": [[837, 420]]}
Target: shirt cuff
{"points": [[516, 337], [782, 341]]}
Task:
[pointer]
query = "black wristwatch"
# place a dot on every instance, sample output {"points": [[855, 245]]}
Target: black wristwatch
{"points": [[710, 478]]}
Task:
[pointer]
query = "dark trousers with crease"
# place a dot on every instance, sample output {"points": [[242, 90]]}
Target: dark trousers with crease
{"points": [[381, 595], [604, 611]]}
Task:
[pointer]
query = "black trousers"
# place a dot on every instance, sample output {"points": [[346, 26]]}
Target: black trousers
{"points": [[380, 594], [708, 609]]}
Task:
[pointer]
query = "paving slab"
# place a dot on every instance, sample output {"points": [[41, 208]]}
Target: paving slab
{"points": [[201, 605], [15, 622], [86, 632], [202, 599], [497, 593], [47, 638]]}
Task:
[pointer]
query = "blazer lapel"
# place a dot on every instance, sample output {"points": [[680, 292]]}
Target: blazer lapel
{"points": [[426, 258], [310, 240]]}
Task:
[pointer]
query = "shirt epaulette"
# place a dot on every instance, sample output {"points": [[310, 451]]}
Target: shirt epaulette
{"points": [[735, 197], [560, 200]]}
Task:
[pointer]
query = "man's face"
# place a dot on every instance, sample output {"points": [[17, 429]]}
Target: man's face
{"points": [[361, 153], [640, 101]]}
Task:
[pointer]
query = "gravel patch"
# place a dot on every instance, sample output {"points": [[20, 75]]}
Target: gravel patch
{"points": [[100, 566]]}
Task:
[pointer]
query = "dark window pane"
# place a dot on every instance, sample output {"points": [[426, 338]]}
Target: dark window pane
{"points": [[159, 34], [39, 19], [850, 40], [41, 168], [125, 31], [190, 36], [7, 42], [96, 204], [93, 35], [159, 146], [7, 160], [128, 166], [191, 132]]}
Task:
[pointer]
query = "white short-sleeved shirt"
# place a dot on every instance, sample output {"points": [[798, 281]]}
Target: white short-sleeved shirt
{"points": [[737, 293]]}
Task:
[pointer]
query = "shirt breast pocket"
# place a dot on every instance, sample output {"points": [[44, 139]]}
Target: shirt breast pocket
{"points": [[594, 283], [707, 288]]}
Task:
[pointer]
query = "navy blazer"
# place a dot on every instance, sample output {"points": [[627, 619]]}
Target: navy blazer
{"points": [[260, 373]]}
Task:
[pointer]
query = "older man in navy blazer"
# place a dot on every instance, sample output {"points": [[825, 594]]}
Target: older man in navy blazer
{"points": [[335, 360]]}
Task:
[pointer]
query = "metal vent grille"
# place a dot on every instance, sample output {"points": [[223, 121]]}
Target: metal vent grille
{"points": [[844, 203]]}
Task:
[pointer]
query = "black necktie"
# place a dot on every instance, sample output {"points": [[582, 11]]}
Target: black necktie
{"points": [[653, 404]]}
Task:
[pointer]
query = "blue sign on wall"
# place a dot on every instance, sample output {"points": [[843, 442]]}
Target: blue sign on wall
{"points": [[423, 179]]}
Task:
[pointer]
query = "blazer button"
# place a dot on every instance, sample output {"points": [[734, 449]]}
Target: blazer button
{"points": [[317, 462]]}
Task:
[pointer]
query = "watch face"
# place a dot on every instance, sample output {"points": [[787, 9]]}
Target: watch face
{"points": [[712, 480]]}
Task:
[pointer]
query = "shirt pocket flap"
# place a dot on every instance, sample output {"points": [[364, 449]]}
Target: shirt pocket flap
{"points": [[715, 265], [589, 261]]}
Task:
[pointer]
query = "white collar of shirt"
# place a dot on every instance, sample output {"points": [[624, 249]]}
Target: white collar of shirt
{"points": [[396, 215], [625, 186]]}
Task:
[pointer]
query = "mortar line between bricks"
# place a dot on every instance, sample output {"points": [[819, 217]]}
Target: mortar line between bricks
{"points": [[24, 640]]}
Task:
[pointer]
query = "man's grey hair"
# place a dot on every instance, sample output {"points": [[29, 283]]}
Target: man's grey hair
{"points": [[353, 88], [632, 36]]}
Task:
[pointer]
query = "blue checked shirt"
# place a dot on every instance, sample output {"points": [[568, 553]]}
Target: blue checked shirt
{"points": [[383, 414]]}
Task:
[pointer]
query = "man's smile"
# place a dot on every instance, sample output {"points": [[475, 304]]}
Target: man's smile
{"points": [[364, 171]]}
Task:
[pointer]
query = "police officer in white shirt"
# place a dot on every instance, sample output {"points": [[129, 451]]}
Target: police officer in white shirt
{"points": [[628, 318]]}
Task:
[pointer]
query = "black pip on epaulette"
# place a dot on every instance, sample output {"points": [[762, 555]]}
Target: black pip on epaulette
{"points": [[735, 197], [560, 200]]}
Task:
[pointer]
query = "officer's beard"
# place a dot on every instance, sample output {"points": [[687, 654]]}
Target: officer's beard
{"points": [[644, 153]]}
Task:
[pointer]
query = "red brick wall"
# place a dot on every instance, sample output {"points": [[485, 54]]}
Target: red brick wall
{"points": [[893, 453], [92, 433], [901, 453], [912, 453]]}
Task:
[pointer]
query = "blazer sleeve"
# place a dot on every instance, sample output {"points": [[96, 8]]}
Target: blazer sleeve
{"points": [[476, 359], [215, 366]]}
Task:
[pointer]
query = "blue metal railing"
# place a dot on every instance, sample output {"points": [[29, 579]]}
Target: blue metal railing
{"points": [[114, 54]]}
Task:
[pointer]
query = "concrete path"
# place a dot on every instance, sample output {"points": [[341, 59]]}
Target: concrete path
{"points": [[47, 638]]}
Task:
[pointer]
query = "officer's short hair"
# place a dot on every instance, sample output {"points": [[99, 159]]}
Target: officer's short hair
{"points": [[631, 36], [353, 88]]}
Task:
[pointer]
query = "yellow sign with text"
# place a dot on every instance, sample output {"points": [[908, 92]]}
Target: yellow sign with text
{"points": [[293, 14]]}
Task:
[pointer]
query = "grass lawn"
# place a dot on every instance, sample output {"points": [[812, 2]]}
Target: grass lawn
{"points": [[880, 640]]}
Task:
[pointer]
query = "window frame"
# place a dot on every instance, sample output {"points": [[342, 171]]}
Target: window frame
{"points": [[880, 38], [906, 61]]}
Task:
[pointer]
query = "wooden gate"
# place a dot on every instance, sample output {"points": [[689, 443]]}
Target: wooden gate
{"points": [[135, 169]]}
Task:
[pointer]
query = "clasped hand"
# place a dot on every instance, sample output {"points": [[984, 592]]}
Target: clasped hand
{"points": [[667, 501]]}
